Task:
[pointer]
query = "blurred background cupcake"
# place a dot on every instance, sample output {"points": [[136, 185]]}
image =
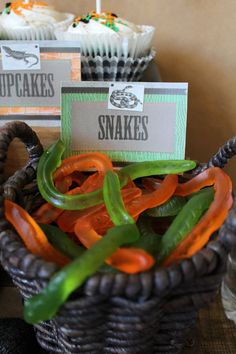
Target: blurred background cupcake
{"points": [[32, 20], [112, 48]]}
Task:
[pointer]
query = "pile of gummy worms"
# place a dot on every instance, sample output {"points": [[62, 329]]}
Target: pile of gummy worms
{"points": [[106, 217]]}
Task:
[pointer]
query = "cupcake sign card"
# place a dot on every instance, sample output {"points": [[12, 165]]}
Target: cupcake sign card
{"points": [[130, 121], [30, 77]]}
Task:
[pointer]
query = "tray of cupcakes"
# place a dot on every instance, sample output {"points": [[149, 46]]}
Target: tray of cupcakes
{"points": [[112, 48]]}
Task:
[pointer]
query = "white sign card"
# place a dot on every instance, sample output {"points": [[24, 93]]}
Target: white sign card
{"points": [[126, 97], [18, 57]]}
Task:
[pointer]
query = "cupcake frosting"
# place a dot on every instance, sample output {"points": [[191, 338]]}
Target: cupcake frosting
{"points": [[32, 13], [106, 22], [106, 34]]}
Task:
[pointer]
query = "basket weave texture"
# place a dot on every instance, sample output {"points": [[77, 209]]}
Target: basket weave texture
{"points": [[149, 313]]}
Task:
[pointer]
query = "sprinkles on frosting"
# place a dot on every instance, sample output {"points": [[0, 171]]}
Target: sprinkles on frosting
{"points": [[17, 6], [106, 18]]}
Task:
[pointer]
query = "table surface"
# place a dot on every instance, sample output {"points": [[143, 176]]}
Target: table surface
{"points": [[214, 333]]}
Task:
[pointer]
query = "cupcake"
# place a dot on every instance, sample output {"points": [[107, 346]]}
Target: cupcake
{"points": [[32, 20], [112, 48]]}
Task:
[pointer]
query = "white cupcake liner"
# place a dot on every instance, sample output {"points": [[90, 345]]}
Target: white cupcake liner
{"points": [[114, 68], [111, 44], [45, 32]]}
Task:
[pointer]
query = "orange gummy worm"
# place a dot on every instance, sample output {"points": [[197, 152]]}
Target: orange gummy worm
{"points": [[31, 234], [150, 200], [48, 213], [128, 260], [83, 162], [212, 219], [135, 206], [97, 214]]}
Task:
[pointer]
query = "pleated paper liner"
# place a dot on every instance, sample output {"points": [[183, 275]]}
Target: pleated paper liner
{"points": [[113, 68], [110, 43]]}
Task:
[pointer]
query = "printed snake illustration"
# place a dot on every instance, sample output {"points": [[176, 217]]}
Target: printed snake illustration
{"points": [[18, 55], [123, 99]]}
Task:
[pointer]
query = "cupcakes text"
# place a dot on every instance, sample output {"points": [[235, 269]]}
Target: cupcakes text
{"points": [[26, 85]]}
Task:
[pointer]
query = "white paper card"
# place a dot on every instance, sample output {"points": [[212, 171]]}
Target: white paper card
{"points": [[20, 57], [126, 97]]}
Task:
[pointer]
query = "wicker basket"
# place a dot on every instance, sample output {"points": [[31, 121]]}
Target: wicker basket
{"points": [[149, 313]]}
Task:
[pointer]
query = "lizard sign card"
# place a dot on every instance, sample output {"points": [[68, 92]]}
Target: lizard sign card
{"points": [[127, 120], [30, 77]]}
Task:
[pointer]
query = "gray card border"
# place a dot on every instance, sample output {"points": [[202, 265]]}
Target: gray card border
{"points": [[27, 117], [52, 46], [157, 88]]}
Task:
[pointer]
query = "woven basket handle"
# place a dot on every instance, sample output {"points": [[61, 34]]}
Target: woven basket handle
{"points": [[227, 234], [221, 157], [224, 154], [8, 133]]}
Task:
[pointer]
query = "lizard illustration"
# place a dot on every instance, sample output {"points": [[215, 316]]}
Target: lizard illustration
{"points": [[123, 99], [21, 55]]}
